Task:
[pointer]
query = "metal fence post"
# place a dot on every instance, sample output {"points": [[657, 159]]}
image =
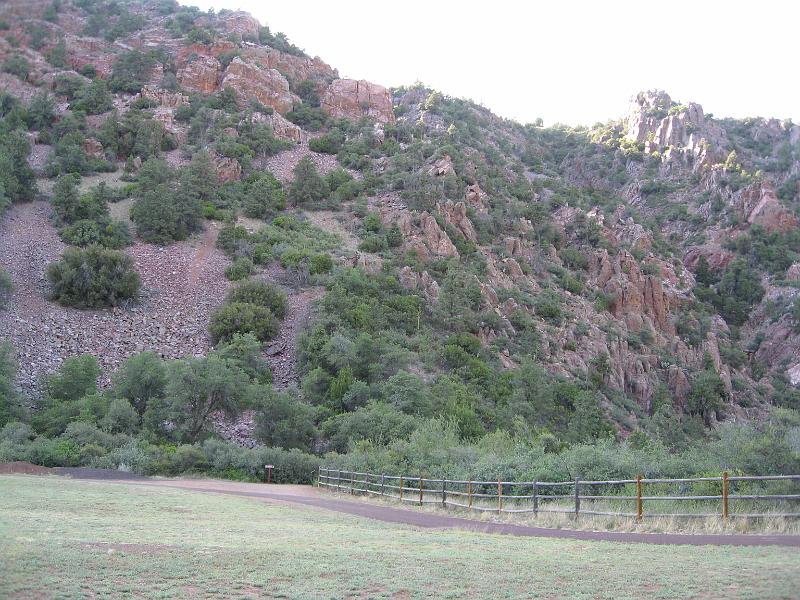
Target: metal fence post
{"points": [[444, 493], [577, 498], [535, 498], [638, 498], [725, 495]]}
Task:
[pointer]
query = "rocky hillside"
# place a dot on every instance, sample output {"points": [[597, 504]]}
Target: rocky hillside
{"points": [[647, 267]]}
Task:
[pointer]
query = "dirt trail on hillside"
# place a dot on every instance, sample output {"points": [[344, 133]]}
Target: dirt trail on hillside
{"points": [[312, 497]]}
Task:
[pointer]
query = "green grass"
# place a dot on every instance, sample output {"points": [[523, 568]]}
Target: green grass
{"points": [[66, 539]]}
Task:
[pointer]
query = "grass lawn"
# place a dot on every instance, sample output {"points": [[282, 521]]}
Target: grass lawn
{"points": [[64, 538]]}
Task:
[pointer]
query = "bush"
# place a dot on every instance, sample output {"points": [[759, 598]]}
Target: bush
{"points": [[104, 232], [76, 378], [241, 317], [18, 65], [282, 420], [308, 185], [329, 143], [140, 379], [260, 293], [241, 268], [163, 216], [93, 278], [263, 197], [320, 263], [93, 99], [6, 288]]}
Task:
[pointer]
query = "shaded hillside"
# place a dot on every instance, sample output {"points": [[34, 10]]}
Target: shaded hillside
{"points": [[558, 285]]}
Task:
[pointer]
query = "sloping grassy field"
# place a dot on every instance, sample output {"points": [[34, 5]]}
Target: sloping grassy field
{"points": [[68, 539]]}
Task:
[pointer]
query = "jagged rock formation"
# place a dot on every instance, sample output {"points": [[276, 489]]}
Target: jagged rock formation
{"points": [[267, 86], [353, 99]]}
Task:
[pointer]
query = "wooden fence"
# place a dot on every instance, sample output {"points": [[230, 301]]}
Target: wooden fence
{"points": [[577, 497]]}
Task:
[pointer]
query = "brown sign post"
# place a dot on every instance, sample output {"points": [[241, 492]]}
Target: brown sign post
{"points": [[269, 472]]}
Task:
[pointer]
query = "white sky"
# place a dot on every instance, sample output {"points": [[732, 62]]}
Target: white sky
{"points": [[568, 61]]}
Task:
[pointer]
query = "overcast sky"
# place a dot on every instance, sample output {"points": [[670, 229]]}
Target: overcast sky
{"points": [[563, 60]]}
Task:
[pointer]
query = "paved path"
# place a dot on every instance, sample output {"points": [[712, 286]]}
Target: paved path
{"points": [[309, 496]]}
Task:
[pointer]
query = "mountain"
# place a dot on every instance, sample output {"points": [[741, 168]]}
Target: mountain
{"points": [[437, 260]]}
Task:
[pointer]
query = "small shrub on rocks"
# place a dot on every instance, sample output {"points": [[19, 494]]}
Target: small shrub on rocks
{"points": [[243, 317], [260, 293], [93, 278]]}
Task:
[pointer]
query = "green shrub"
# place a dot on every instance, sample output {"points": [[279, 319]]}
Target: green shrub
{"points": [[103, 232], [241, 317], [6, 288], [241, 268], [164, 215], [261, 293], [93, 99], [140, 379], [320, 263], [308, 185], [329, 143], [93, 278], [18, 65]]}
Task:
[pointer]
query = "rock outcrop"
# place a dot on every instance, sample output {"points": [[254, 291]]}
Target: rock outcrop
{"points": [[162, 97], [200, 75], [639, 300], [758, 204], [354, 99], [422, 282], [228, 169], [675, 130], [267, 86], [281, 127], [455, 214]]}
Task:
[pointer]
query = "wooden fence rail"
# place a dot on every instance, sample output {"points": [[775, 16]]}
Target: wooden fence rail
{"points": [[552, 496]]}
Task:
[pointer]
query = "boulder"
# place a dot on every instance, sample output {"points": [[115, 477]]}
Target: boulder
{"points": [[162, 97], [296, 68], [281, 127], [442, 167], [228, 169], [200, 75], [370, 263], [455, 214], [422, 282], [435, 238], [758, 204], [93, 148], [267, 86], [354, 99], [477, 198]]}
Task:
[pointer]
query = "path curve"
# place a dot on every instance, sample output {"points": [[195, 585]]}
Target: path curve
{"points": [[309, 496]]}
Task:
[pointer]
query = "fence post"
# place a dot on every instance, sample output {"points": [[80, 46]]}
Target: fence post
{"points": [[401, 488], [319, 476], [638, 498], [383, 477], [420, 490], [338, 480], [352, 479], [469, 494], [725, 495], [499, 497], [535, 498], [444, 493], [577, 498]]}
